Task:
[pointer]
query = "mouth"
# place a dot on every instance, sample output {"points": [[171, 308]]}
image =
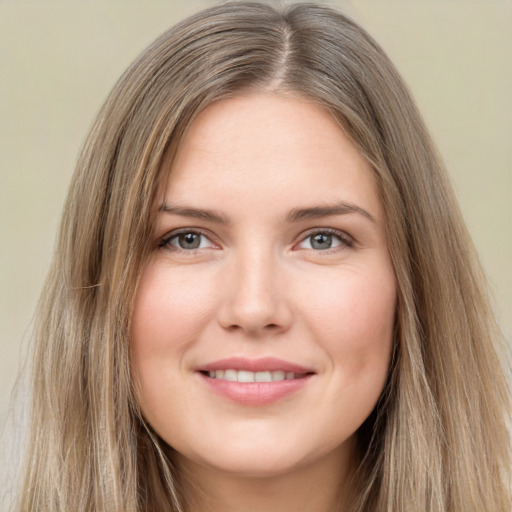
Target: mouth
{"points": [[254, 382], [234, 375]]}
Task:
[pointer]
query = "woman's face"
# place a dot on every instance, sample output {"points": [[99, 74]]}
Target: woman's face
{"points": [[263, 323]]}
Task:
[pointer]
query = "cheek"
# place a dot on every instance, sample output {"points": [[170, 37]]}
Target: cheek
{"points": [[353, 319], [169, 309], [360, 343], [169, 313]]}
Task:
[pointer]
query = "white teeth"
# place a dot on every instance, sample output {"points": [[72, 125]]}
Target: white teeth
{"points": [[247, 376], [263, 377], [278, 375], [244, 376], [231, 375]]}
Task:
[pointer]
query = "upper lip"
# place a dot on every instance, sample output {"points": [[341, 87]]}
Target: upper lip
{"points": [[269, 364]]}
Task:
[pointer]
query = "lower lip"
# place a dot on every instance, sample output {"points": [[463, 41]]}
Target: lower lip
{"points": [[255, 393]]}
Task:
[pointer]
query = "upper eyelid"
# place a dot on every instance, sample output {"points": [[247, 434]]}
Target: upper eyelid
{"points": [[179, 231], [335, 231]]}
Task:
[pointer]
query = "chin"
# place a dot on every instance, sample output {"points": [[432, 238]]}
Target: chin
{"points": [[255, 458], [248, 464]]}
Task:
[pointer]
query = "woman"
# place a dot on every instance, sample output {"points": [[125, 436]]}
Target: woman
{"points": [[259, 201]]}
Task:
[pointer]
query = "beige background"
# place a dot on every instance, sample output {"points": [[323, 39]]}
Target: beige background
{"points": [[59, 59]]}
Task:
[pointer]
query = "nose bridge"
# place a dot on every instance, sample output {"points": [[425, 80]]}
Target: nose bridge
{"points": [[256, 300]]}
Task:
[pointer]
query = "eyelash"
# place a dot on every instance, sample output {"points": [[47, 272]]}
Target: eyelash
{"points": [[346, 241], [165, 242]]}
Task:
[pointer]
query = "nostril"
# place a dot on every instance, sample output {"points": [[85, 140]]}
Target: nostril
{"points": [[268, 327]]}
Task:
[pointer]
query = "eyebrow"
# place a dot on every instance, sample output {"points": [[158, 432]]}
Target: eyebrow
{"points": [[315, 212], [196, 213], [295, 215]]}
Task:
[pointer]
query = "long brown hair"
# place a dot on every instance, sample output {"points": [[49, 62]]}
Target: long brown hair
{"points": [[438, 439]]}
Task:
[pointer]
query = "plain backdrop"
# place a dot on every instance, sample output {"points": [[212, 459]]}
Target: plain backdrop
{"points": [[59, 59]]}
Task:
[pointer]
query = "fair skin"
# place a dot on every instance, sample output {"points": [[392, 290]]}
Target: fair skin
{"points": [[271, 244]]}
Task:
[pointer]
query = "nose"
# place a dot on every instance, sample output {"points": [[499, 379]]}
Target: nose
{"points": [[254, 297]]}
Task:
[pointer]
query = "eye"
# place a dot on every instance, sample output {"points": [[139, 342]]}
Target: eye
{"points": [[186, 241], [323, 240]]}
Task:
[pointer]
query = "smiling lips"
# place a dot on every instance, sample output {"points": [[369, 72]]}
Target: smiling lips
{"points": [[233, 375], [254, 381]]}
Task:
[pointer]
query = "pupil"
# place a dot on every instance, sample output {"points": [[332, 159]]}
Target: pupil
{"points": [[189, 241], [321, 241]]}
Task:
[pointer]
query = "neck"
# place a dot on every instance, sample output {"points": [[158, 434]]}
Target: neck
{"points": [[321, 486]]}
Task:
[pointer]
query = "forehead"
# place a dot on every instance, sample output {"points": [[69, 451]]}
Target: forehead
{"points": [[270, 150]]}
